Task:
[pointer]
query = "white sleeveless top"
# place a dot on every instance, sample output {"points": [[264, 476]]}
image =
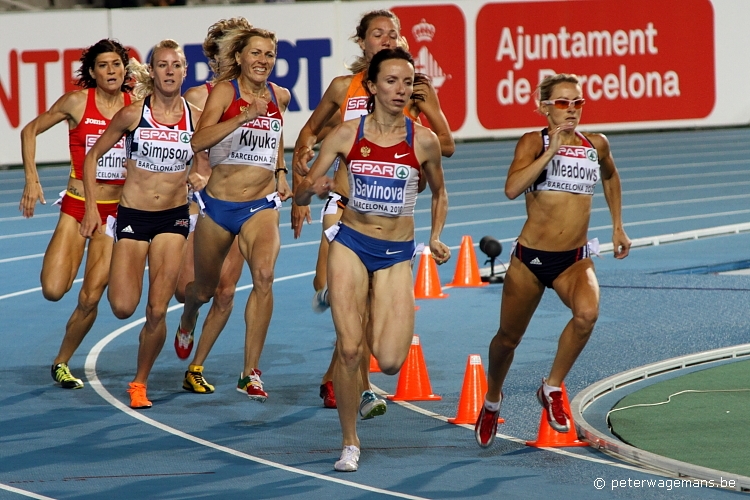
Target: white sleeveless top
{"points": [[573, 169], [161, 148]]}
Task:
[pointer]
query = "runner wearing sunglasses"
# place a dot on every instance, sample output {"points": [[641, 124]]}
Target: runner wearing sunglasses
{"points": [[557, 169]]}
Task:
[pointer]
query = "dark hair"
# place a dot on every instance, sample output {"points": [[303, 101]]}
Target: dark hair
{"points": [[361, 33], [88, 61], [364, 23], [374, 69]]}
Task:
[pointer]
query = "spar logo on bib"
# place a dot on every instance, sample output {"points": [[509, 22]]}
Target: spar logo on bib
{"points": [[356, 103], [92, 138], [437, 40], [264, 123], [155, 134], [355, 107], [636, 61], [379, 182]]}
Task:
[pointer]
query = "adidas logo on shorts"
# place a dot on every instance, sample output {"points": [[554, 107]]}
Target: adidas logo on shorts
{"points": [[127, 229], [535, 260]]}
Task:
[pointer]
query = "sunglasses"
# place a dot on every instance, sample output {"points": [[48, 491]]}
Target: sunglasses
{"points": [[565, 103]]}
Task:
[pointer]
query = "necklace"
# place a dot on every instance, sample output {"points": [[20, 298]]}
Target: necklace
{"points": [[385, 125], [259, 94]]}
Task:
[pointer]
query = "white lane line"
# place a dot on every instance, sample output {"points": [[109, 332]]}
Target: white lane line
{"points": [[93, 379], [23, 235], [459, 224], [20, 190], [21, 217], [28, 290], [22, 257], [559, 451], [24, 492]]}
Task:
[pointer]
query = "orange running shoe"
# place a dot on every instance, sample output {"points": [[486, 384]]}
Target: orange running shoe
{"points": [[138, 399]]}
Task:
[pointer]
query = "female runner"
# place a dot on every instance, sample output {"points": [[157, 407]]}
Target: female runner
{"points": [[223, 298], [385, 154], [242, 126], [88, 112], [557, 169], [152, 219], [346, 96]]}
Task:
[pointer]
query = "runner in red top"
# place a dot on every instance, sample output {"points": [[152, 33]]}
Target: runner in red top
{"points": [[88, 112], [346, 97], [385, 155], [242, 125], [231, 270]]}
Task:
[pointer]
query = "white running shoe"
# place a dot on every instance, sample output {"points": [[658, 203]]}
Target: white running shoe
{"points": [[349, 461], [320, 300], [371, 405]]}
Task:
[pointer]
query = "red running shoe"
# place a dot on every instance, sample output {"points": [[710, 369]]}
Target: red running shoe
{"points": [[558, 419], [253, 386], [327, 394], [486, 426], [183, 341]]}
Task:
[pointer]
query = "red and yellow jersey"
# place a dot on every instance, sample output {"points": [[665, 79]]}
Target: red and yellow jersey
{"points": [[111, 167]]}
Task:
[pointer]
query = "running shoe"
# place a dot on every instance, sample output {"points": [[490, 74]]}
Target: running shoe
{"points": [[371, 406], [183, 341], [486, 426], [349, 460], [194, 381], [252, 385], [557, 418], [326, 393], [320, 300], [61, 374], [138, 399]]}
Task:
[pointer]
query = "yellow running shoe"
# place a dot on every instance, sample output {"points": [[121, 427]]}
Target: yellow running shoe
{"points": [[61, 374], [194, 381]]}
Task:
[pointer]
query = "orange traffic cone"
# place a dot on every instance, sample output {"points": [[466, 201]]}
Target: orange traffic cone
{"points": [[472, 393], [427, 285], [413, 380], [549, 437], [467, 269], [374, 366]]}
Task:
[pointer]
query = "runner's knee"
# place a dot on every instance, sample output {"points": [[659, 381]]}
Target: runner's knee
{"points": [[53, 293], [224, 297], [88, 300], [263, 279], [585, 318], [121, 310], [507, 339], [156, 314], [350, 354]]}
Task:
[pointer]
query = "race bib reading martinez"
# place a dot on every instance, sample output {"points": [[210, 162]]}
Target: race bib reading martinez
{"points": [[378, 187], [256, 143], [163, 150], [111, 166]]}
